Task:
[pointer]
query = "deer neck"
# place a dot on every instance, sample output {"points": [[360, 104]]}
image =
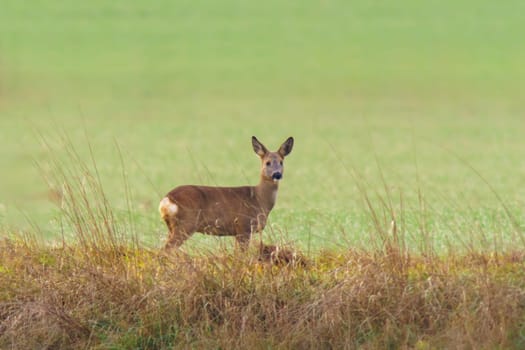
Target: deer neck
{"points": [[266, 193]]}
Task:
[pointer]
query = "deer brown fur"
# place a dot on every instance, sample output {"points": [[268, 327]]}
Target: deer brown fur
{"points": [[225, 211]]}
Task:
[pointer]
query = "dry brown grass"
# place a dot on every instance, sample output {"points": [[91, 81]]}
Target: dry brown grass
{"points": [[136, 298]]}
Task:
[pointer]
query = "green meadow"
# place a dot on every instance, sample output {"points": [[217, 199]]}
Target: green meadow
{"points": [[400, 219], [411, 110]]}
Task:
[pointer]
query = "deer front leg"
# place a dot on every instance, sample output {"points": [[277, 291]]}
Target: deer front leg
{"points": [[245, 229], [243, 241]]}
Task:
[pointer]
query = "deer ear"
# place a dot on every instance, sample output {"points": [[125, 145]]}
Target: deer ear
{"points": [[286, 147], [258, 147]]}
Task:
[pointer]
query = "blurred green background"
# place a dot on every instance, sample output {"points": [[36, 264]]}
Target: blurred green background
{"points": [[415, 92]]}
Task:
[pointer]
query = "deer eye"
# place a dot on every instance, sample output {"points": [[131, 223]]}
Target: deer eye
{"points": [[268, 163], [281, 162]]}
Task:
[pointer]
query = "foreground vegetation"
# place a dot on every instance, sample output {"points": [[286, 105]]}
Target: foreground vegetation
{"points": [[111, 296]]}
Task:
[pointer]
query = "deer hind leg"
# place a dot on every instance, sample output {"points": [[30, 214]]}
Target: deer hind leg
{"points": [[177, 233]]}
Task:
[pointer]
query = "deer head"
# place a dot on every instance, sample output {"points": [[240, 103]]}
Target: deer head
{"points": [[272, 162]]}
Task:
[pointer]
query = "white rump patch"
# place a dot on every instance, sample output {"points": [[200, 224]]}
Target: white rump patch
{"points": [[167, 207]]}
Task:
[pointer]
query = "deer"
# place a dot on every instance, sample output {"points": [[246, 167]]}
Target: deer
{"points": [[225, 211]]}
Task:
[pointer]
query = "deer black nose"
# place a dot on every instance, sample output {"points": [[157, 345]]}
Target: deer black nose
{"points": [[277, 176]]}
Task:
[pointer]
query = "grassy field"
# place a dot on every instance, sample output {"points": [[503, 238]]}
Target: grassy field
{"points": [[409, 110], [416, 93]]}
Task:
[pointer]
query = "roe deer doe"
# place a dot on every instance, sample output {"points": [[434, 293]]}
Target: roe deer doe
{"points": [[225, 211]]}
